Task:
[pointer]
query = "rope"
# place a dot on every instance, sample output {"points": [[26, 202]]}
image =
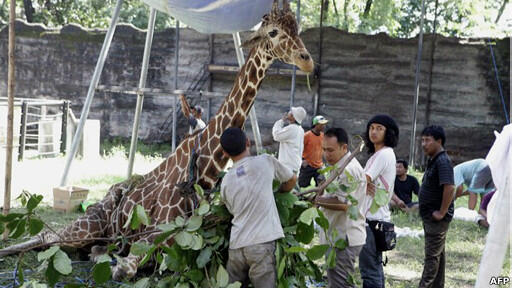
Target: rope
{"points": [[499, 82]]}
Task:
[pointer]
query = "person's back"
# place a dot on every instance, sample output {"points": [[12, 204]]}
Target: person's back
{"points": [[247, 192], [465, 172], [290, 138]]}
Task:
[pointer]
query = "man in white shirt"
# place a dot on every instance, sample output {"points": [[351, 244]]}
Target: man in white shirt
{"points": [[290, 135], [336, 207], [381, 136], [193, 115], [247, 192]]}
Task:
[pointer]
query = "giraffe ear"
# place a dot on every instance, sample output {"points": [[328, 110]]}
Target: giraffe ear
{"points": [[253, 40]]}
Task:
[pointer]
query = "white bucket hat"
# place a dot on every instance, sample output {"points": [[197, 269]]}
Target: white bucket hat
{"points": [[299, 113]]}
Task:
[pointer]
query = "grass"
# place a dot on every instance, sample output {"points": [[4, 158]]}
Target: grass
{"points": [[464, 244]]}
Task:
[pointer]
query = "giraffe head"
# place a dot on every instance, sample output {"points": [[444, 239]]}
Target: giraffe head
{"points": [[278, 36]]}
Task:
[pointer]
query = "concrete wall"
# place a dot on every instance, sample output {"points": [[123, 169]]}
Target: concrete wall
{"points": [[361, 75]]}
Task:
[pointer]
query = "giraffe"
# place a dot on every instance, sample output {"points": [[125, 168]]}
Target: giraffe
{"points": [[161, 191]]}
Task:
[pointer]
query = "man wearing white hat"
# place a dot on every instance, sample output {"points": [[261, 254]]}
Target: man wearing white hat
{"points": [[290, 135]]}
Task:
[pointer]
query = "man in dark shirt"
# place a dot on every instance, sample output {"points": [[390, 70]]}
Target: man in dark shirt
{"points": [[436, 205], [405, 185]]}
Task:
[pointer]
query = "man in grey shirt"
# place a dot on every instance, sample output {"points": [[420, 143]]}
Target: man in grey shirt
{"points": [[247, 192]]}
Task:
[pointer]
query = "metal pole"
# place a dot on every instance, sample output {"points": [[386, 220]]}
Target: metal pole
{"points": [[209, 108], [140, 95], [90, 92], [10, 113], [417, 87], [174, 99], [63, 134], [252, 112], [23, 130], [294, 75], [320, 46]]}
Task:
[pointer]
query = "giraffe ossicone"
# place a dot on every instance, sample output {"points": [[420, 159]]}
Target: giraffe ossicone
{"points": [[160, 191]]}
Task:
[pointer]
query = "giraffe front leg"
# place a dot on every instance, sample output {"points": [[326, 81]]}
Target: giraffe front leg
{"points": [[126, 267]]}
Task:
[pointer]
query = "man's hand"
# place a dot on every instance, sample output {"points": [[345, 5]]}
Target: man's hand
{"points": [[304, 163], [402, 205], [370, 189], [437, 215]]}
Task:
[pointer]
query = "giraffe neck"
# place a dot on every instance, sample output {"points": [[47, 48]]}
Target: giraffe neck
{"points": [[232, 113]]}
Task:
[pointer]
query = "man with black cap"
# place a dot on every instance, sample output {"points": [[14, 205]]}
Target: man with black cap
{"points": [[247, 192], [193, 115], [312, 154], [290, 135], [380, 137]]}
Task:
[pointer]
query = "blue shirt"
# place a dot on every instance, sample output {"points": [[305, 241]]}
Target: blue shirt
{"points": [[466, 172]]}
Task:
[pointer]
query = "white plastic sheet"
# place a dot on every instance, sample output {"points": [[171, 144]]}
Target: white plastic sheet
{"points": [[215, 16]]}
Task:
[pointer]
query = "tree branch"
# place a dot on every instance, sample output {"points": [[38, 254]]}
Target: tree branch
{"points": [[334, 175], [500, 12]]}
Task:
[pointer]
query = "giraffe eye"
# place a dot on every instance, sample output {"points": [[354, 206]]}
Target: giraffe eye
{"points": [[272, 33]]}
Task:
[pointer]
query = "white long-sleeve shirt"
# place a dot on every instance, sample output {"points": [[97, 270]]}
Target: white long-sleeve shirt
{"points": [[291, 144]]}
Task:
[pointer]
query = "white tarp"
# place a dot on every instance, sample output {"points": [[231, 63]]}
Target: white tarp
{"points": [[498, 212], [215, 16]]}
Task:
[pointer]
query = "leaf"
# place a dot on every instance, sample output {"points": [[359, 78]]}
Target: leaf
{"points": [[142, 283], [286, 199], [317, 251], [180, 221], [47, 254], [175, 259], [184, 239], [322, 221], [222, 277], [304, 233], [20, 272], [350, 178], [182, 285], [62, 263], [280, 270], [295, 249], [341, 244], [148, 256], [162, 237], [51, 274], [141, 215], [167, 226], [353, 212], [195, 275], [33, 202], [197, 242], [234, 285], [325, 170], [194, 223], [104, 258], [204, 208], [101, 272], [331, 259], [199, 190], [381, 197], [139, 248], [19, 230], [308, 216], [204, 257], [35, 226], [374, 207]]}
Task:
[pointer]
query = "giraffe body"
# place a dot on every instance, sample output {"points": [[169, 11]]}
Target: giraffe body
{"points": [[158, 191]]}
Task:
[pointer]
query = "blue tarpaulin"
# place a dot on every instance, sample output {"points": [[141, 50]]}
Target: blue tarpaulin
{"points": [[215, 16]]}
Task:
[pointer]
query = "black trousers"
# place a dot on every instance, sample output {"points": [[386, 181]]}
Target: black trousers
{"points": [[308, 172], [434, 265]]}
